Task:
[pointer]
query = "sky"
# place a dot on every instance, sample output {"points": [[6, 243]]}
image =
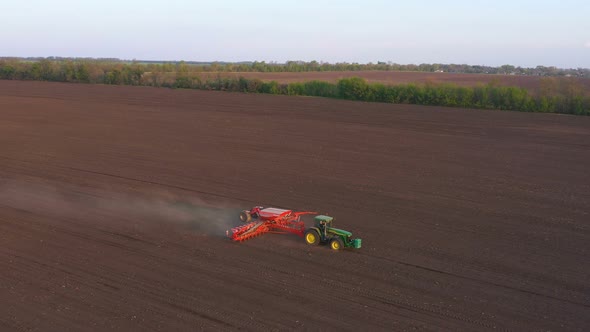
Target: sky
{"points": [[476, 32]]}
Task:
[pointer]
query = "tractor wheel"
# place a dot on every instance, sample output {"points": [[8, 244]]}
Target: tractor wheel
{"points": [[336, 243], [312, 237], [245, 216]]}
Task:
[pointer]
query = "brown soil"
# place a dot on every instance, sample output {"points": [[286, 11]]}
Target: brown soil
{"points": [[114, 203]]}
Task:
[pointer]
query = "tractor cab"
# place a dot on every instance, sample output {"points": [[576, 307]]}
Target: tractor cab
{"points": [[322, 221]]}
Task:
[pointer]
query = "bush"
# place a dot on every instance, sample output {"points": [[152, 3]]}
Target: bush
{"points": [[183, 82], [353, 88], [295, 89], [320, 89], [271, 87]]}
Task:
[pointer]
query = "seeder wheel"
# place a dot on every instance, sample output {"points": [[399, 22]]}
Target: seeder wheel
{"points": [[245, 216]]}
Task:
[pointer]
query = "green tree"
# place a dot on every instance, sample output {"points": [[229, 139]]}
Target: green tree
{"points": [[354, 88]]}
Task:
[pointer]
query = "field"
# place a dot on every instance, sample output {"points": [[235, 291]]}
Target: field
{"points": [[114, 202], [531, 83]]}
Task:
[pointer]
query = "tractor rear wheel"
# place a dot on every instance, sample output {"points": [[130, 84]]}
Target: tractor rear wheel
{"points": [[336, 243], [312, 237], [245, 216]]}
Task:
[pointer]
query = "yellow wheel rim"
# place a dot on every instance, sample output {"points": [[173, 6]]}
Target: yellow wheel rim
{"points": [[310, 238], [335, 245]]}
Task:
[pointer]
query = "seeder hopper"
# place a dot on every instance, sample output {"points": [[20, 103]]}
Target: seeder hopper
{"points": [[268, 220]]}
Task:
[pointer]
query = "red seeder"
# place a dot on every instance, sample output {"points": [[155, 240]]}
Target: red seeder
{"points": [[268, 220]]}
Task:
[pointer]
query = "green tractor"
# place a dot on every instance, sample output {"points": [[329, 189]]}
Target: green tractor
{"points": [[323, 232]]}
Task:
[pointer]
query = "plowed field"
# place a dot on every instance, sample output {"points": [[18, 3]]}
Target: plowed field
{"points": [[114, 202]]}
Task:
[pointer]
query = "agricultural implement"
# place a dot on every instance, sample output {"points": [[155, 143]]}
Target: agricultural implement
{"points": [[261, 220]]}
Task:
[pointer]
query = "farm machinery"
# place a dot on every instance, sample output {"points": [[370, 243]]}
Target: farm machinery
{"points": [[260, 220], [323, 232]]}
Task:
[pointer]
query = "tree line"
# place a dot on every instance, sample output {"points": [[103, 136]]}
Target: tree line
{"points": [[558, 96], [311, 66], [489, 96]]}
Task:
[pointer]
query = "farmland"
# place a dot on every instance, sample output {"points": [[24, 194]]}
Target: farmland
{"points": [[562, 93], [531, 83], [114, 201]]}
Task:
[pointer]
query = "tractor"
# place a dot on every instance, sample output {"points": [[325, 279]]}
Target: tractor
{"points": [[323, 232]]}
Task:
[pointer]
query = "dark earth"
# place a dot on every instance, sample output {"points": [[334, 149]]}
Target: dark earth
{"points": [[114, 203]]}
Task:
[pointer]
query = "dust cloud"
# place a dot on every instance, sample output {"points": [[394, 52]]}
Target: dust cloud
{"points": [[77, 204]]}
